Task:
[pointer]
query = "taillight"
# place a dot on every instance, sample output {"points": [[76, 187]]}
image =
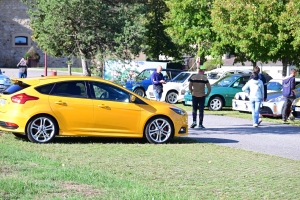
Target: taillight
{"points": [[22, 98]]}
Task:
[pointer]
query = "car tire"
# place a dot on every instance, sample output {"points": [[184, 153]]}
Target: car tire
{"points": [[41, 129], [159, 130], [215, 104], [139, 91], [172, 97]]}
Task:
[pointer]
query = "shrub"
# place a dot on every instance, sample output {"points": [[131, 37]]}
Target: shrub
{"points": [[32, 54]]}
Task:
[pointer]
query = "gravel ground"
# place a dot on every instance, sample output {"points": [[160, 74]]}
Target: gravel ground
{"points": [[269, 138]]}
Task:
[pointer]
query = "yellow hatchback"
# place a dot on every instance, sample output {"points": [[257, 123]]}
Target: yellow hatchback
{"points": [[42, 108]]}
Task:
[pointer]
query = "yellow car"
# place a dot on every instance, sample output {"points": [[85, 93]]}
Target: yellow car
{"points": [[41, 108]]}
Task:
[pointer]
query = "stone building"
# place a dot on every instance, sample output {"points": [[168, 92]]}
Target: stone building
{"points": [[15, 36]]}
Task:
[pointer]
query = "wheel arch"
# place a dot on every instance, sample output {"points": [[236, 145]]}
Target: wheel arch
{"points": [[155, 116], [216, 95], [42, 114], [172, 90]]}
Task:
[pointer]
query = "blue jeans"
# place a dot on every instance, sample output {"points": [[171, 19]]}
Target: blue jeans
{"points": [[255, 105], [22, 75], [157, 95]]}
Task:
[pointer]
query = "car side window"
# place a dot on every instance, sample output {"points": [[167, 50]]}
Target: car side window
{"points": [[45, 89], [241, 82], [70, 89], [103, 91]]}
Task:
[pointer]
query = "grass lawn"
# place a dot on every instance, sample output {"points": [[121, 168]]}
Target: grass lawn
{"points": [[98, 168], [104, 168]]}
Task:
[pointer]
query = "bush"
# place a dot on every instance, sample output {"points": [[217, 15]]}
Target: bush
{"points": [[32, 54]]}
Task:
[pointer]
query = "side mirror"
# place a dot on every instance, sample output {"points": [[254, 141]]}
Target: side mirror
{"points": [[132, 98]]}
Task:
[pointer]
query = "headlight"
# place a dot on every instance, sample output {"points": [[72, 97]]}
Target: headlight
{"points": [[236, 96], [277, 99], [178, 111]]}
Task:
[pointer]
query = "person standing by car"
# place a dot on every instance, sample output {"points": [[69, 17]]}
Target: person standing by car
{"points": [[289, 93], [157, 81], [22, 68], [255, 88], [263, 79], [197, 85]]}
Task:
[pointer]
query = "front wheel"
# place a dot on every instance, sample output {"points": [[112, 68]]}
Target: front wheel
{"points": [[215, 104], [41, 129], [172, 97], [139, 91], [159, 130]]}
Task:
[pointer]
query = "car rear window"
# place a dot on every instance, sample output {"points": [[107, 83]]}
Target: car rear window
{"points": [[16, 87]]}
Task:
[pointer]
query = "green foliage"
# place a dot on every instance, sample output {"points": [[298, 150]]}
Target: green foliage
{"points": [[157, 41], [210, 65], [86, 28], [32, 54], [189, 24]]}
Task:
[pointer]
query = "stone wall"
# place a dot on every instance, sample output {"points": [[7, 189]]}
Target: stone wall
{"points": [[14, 21]]}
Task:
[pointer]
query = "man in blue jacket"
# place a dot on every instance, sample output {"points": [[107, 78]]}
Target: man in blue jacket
{"points": [[157, 81], [289, 94]]}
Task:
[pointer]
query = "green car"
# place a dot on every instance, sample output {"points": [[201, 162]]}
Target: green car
{"points": [[222, 91]]}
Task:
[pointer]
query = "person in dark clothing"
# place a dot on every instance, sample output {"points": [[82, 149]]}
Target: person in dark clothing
{"points": [[157, 81], [197, 85], [263, 79], [289, 94]]}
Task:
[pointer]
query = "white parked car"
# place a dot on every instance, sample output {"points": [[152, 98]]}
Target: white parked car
{"points": [[272, 107], [174, 90]]}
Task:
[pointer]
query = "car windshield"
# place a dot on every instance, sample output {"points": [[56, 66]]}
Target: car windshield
{"points": [[226, 81], [144, 75], [180, 78]]}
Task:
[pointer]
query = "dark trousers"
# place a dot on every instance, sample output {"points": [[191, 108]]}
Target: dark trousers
{"points": [[287, 107], [198, 103]]}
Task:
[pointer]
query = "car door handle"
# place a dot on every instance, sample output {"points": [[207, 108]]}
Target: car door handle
{"points": [[60, 103], [103, 106]]}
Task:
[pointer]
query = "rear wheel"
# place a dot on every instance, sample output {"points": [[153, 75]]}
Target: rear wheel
{"points": [[172, 97], [41, 129], [139, 91], [159, 130], [215, 104]]}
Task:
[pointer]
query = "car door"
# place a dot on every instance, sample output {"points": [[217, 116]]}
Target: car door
{"points": [[71, 106], [113, 111], [234, 88]]}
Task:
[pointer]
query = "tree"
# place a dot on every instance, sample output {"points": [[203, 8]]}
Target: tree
{"points": [[157, 41], [84, 28], [189, 24], [253, 30]]}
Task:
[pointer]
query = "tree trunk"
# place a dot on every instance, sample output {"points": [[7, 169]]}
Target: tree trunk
{"points": [[69, 66], [101, 69], [284, 66], [85, 69]]}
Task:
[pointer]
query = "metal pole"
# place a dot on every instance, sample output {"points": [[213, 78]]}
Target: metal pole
{"points": [[45, 68]]}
